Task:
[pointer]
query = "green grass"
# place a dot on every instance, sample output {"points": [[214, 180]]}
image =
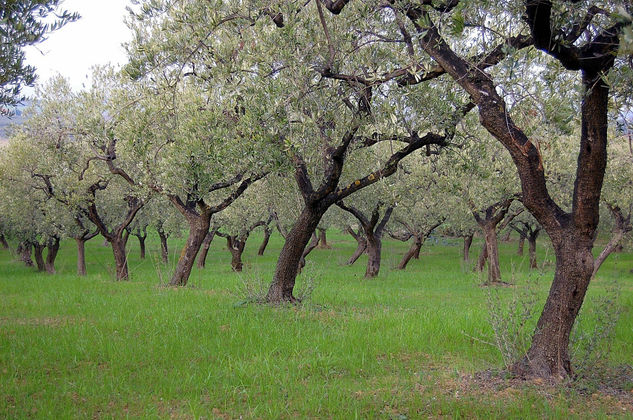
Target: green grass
{"points": [[403, 345]]}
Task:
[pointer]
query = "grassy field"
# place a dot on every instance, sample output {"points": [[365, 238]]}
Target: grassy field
{"points": [[407, 344]]}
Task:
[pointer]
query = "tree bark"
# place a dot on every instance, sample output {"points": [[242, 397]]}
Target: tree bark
{"points": [[198, 229], [262, 248], [24, 251], [374, 248], [51, 256], [81, 256], [288, 263], [120, 258], [204, 250], [492, 250], [38, 253], [468, 240], [412, 252], [164, 249], [548, 355], [323, 240]]}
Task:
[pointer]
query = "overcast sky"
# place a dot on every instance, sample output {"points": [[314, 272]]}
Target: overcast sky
{"points": [[96, 38]]}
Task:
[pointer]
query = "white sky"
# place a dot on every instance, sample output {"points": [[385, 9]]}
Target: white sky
{"points": [[96, 38]]}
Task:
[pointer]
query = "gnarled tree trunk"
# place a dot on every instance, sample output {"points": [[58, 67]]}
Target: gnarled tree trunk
{"points": [[120, 258], [198, 229], [549, 353], [38, 253], [53, 248], [24, 251], [288, 263]]}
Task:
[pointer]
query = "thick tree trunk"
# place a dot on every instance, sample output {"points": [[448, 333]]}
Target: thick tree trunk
{"points": [[411, 253], [374, 247], [38, 253], [262, 248], [492, 249], [323, 240], [468, 240], [120, 258], [288, 263], [81, 256], [24, 251], [53, 249], [164, 250], [521, 244], [198, 229], [204, 249], [548, 355], [3, 242]]}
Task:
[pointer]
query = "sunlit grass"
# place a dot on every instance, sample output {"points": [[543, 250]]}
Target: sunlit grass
{"points": [[403, 345]]}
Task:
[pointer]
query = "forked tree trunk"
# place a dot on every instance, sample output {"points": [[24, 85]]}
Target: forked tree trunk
{"points": [[412, 252], [468, 240], [24, 251], [521, 244], [323, 240], [204, 249], [81, 256], [120, 258], [53, 249], [38, 253], [3, 242], [198, 229], [164, 249], [288, 263], [548, 355], [262, 248]]}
